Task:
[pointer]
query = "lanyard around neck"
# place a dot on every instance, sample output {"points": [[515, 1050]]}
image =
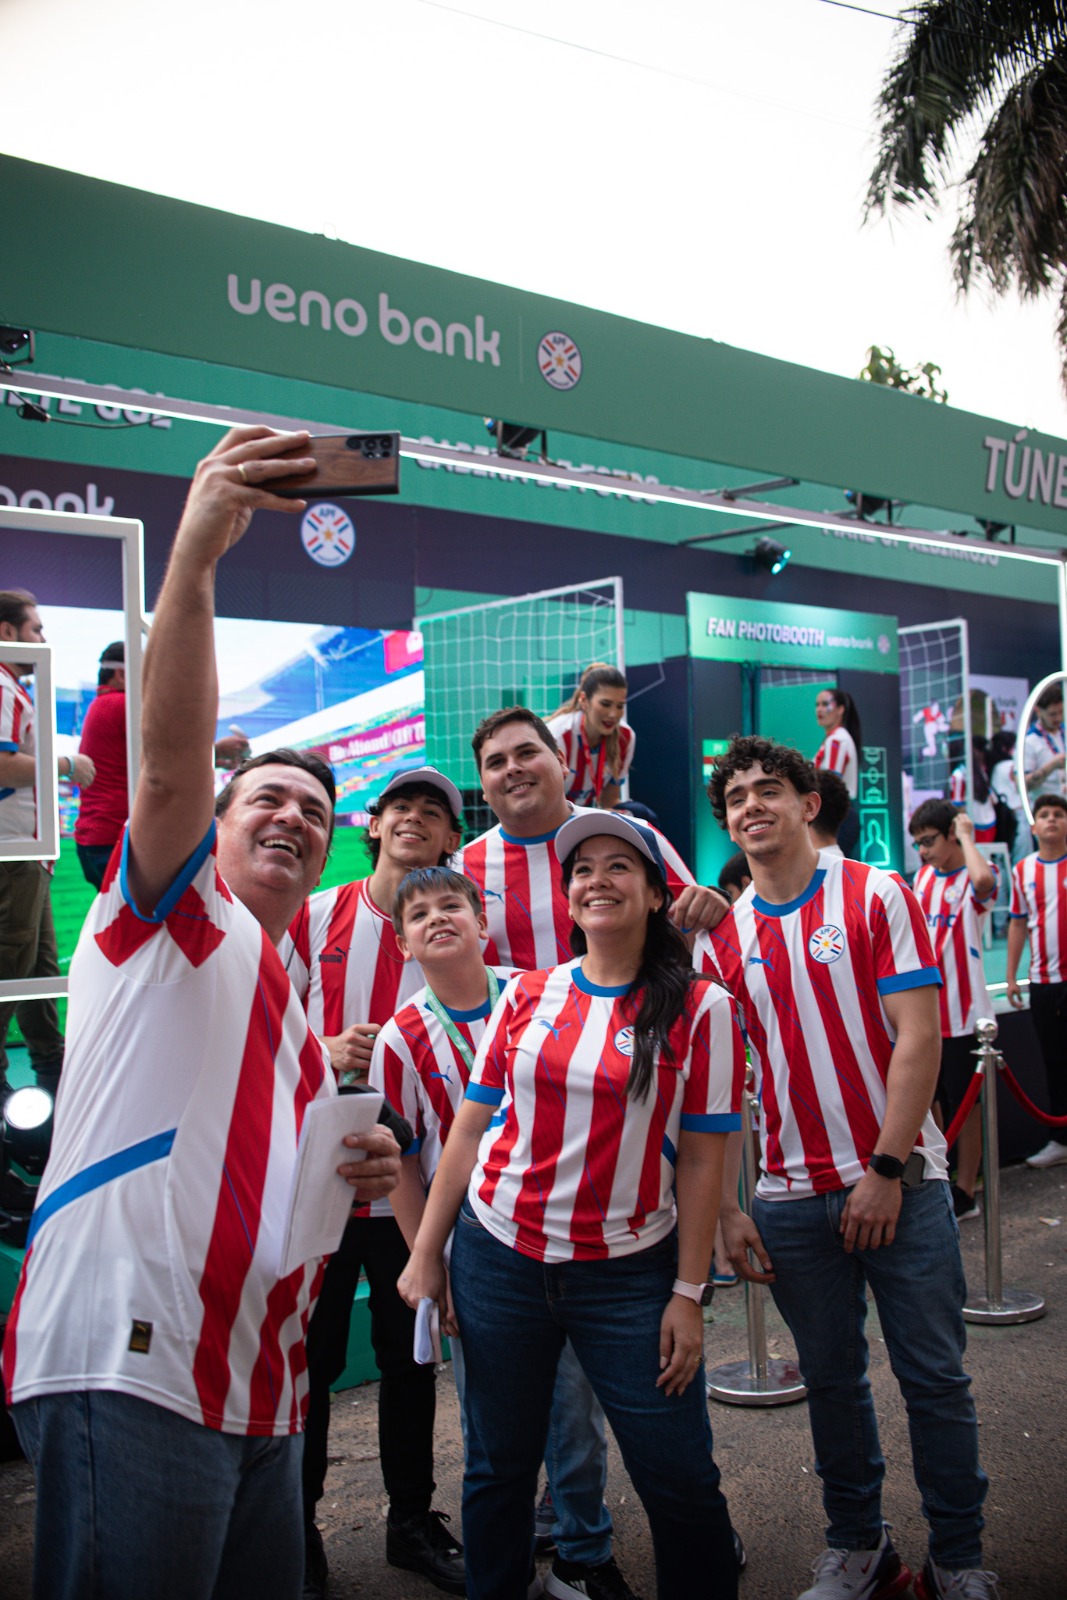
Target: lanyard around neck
{"points": [[447, 1023]]}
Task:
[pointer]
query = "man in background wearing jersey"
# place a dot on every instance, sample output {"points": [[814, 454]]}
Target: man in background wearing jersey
{"points": [[1039, 907], [831, 963], [353, 977], [523, 775], [154, 1359], [956, 887]]}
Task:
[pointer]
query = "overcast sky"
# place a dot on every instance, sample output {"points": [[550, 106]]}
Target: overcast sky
{"points": [[699, 164]]}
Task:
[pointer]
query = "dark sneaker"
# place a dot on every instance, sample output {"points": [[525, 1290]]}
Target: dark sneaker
{"points": [[571, 1580], [876, 1574], [316, 1567], [966, 1583], [965, 1205], [544, 1522], [423, 1544]]}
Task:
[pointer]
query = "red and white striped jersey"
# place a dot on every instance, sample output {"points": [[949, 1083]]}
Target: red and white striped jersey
{"points": [[953, 915], [587, 769], [809, 976], [837, 753], [579, 1170], [152, 1265], [1039, 893], [422, 1073], [18, 807], [346, 966], [525, 905]]}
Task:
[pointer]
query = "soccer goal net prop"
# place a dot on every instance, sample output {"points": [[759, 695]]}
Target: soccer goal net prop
{"points": [[529, 650], [935, 709]]}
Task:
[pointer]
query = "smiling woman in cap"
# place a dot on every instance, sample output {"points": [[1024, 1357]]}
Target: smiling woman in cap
{"points": [[600, 1090]]}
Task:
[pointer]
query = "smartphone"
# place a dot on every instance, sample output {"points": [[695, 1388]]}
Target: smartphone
{"points": [[345, 464]]}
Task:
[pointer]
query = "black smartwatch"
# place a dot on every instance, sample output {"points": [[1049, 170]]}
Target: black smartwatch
{"points": [[886, 1166]]}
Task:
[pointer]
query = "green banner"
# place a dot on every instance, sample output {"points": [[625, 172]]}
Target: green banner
{"points": [[116, 265], [724, 628]]}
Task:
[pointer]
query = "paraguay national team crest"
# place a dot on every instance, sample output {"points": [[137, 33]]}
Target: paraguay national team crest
{"points": [[327, 534], [826, 944], [560, 360], [624, 1041]]}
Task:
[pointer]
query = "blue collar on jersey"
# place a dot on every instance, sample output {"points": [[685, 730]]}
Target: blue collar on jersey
{"points": [[579, 979], [766, 909], [538, 838]]}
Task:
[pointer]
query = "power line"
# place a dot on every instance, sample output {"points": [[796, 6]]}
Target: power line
{"points": [[643, 66]]}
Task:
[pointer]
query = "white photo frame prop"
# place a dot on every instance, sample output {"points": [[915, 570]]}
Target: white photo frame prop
{"points": [[44, 844], [1020, 741], [130, 534]]}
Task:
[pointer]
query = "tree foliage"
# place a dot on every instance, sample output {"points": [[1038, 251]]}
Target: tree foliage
{"points": [[987, 75], [884, 368]]}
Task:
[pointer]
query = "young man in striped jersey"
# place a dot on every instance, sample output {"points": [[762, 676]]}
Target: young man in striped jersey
{"points": [[523, 775], [956, 887], [831, 963], [352, 975], [1039, 907], [154, 1359]]}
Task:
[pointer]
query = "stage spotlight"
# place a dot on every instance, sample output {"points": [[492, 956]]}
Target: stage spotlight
{"points": [[16, 346], [25, 1140], [772, 555], [514, 438]]}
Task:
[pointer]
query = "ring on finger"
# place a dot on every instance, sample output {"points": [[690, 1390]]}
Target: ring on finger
{"points": [[241, 470]]}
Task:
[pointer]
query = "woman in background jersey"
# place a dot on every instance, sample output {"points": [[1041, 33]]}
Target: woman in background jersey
{"points": [[596, 740], [618, 1076], [836, 714]]}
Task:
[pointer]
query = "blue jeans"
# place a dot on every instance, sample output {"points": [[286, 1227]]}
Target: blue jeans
{"points": [[136, 1501], [518, 1313], [576, 1459], [918, 1288]]}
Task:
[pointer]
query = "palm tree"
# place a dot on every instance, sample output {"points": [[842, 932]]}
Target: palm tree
{"points": [[992, 72]]}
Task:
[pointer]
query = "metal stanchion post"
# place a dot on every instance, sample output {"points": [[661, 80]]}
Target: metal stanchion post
{"points": [[997, 1304], [762, 1380]]}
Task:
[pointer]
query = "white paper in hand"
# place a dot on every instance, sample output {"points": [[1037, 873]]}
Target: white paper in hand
{"points": [[427, 1346], [321, 1200]]}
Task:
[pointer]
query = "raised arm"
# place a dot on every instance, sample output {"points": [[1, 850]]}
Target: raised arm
{"points": [[175, 793]]}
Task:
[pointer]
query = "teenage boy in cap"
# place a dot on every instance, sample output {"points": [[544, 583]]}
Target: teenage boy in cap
{"points": [[347, 965]]}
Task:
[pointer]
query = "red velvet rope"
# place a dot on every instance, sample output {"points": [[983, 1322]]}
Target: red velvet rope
{"points": [[974, 1089], [1028, 1105]]}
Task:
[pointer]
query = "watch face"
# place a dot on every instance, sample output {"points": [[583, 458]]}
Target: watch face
{"points": [[706, 1295]]}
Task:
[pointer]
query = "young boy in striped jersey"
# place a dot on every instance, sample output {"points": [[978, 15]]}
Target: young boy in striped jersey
{"points": [[956, 887], [423, 1055], [831, 963], [1039, 907]]}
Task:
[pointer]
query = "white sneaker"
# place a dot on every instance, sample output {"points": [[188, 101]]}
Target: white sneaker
{"points": [[1053, 1155], [967, 1583], [859, 1574]]}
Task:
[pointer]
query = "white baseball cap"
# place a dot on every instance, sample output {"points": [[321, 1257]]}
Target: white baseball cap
{"points": [[431, 776]]}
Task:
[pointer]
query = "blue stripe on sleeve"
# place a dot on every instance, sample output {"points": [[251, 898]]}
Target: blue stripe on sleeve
{"points": [[484, 1096], [921, 979], [711, 1122], [178, 887]]}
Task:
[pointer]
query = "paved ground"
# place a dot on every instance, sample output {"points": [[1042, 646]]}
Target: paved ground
{"points": [[1020, 1375]]}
